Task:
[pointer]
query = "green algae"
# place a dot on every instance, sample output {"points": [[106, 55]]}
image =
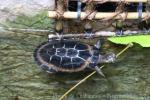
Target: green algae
{"points": [[39, 21]]}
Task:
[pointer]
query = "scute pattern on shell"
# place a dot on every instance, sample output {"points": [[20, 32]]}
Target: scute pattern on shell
{"points": [[65, 56]]}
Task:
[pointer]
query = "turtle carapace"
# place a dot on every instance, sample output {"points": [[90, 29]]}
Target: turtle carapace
{"points": [[70, 56]]}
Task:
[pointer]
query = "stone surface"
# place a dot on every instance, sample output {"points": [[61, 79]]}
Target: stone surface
{"points": [[9, 9]]}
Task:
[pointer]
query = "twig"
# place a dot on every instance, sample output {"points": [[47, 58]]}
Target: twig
{"points": [[84, 79]]}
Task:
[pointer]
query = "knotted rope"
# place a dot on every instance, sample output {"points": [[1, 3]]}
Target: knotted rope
{"points": [[60, 8]]}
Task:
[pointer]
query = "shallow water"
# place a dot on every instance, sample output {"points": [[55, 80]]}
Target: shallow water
{"points": [[21, 79]]}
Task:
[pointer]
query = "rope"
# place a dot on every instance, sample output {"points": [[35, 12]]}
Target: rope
{"points": [[148, 11], [60, 7], [140, 9], [87, 1], [147, 16], [90, 11], [79, 10]]}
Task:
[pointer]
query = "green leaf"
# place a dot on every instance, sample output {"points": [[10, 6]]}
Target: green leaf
{"points": [[143, 40]]}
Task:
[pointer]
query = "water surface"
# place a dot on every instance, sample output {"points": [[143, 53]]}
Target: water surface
{"points": [[127, 79]]}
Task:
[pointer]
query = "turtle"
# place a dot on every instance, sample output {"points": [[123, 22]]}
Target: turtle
{"points": [[70, 56]]}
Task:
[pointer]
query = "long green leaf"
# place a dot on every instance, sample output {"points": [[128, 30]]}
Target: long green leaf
{"points": [[143, 40]]}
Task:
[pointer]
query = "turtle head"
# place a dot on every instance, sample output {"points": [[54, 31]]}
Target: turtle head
{"points": [[107, 58]]}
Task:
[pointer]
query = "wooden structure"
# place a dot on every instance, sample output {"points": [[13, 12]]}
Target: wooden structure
{"points": [[118, 14], [89, 12]]}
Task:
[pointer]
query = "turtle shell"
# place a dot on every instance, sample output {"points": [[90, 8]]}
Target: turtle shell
{"points": [[63, 56]]}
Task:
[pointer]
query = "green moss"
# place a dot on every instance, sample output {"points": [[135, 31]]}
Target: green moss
{"points": [[39, 21]]}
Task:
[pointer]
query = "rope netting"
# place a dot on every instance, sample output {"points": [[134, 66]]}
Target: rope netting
{"points": [[87, 9], [117, 11]]}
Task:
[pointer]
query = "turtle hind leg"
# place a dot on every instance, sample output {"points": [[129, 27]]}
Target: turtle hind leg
{"points": [[48, 69], [51, 71]]}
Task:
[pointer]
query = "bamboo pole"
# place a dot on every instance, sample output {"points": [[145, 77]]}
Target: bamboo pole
{"points": [[99, 15], [101, 33], [119, 0]]}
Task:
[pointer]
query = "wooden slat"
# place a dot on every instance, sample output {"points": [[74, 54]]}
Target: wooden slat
{"points": [[118, 0], [99, 15]]}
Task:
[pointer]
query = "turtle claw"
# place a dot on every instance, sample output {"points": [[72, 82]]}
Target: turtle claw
{"points": [[89, 35], [60, 36], [119, 32], [99, 71]]}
